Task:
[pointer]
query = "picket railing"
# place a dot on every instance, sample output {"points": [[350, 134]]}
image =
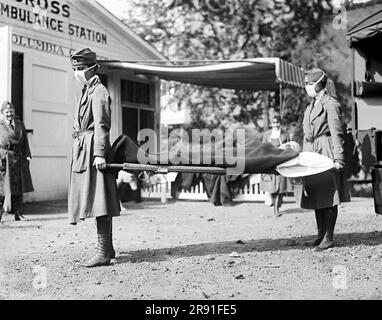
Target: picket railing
{"points": [[250, 192]]}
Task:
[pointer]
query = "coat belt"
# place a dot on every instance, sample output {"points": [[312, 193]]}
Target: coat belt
{"points": [[311, 140], [80, 133]]}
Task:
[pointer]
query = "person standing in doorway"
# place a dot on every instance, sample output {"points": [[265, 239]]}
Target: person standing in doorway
{"points": [[92, 190], [323, 133], [15, 155], [275, 185]]}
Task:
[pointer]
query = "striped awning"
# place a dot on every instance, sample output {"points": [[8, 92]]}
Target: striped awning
{"points": [[251, 74], [367, 28]]}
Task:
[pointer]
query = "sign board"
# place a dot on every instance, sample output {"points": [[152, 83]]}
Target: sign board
{"points": [[55, 17], [58, 27]]}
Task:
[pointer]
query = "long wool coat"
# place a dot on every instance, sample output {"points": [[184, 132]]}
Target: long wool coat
{"points": [[15, 177], [272, 183], [92, 193], [323, 123]]}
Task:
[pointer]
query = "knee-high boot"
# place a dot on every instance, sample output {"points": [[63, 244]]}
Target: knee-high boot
{"points": [[102, 257], [17, 206], [2, 198], [111, 247], [277, 198], [330, 223], [320, 221]]}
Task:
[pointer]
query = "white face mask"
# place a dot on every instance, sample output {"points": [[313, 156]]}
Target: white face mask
{"points": [[311, 89], [80, 75]]}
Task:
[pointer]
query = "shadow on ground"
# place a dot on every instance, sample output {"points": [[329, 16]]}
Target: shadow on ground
{"points": [[227, 247], [19, 227], [50, 207], [294, 211]]}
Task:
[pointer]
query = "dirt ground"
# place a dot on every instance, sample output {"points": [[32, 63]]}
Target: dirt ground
{"points": [[193, 250]]}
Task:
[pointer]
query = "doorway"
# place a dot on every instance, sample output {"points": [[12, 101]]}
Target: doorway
{"points": [[18, 83]]}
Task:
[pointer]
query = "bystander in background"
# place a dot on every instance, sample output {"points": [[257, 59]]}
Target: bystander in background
{"points": [[275, 186], [15, 155]]}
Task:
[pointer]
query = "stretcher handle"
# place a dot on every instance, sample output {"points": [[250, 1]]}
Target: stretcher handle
{"points": [[167, 169]]}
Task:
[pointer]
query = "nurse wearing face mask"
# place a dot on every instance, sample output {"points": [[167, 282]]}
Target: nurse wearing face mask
{"points": [[92, 191], [323, 134]]}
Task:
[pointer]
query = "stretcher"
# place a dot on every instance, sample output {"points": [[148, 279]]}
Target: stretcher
{"points": [[305, 164], [163, 169]]}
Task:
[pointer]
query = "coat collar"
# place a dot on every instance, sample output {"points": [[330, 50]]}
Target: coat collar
{"points": [[86, 91], [317, 109], [5, 123], [92, 84]]}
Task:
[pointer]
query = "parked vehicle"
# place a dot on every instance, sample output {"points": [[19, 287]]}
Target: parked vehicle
{"points": [[364, 38]]}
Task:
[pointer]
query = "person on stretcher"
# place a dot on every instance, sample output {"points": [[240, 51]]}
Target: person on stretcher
{"points": [[287, 160]]}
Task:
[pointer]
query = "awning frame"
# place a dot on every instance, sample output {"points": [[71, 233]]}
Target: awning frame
{"points": [[273, 74], [365, 29]]}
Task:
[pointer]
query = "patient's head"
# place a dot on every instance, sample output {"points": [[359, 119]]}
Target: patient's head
{"points": [[291, 145]]}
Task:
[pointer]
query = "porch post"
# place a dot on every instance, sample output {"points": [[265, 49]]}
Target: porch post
{"points": [[281, 101]]}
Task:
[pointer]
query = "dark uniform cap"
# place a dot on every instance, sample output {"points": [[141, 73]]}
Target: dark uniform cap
{"points": [[7, 105], [314, 75], [83, 57]]}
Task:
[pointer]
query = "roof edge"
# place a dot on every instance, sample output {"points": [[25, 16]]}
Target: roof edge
{"points": [[352, 29]]}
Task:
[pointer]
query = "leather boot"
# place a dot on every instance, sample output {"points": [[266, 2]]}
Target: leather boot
{"points": [[111, 251], [277, 205], [330, 222], [19, 215], [320, 221], [2, 211], [17, 205], [102, 257]]}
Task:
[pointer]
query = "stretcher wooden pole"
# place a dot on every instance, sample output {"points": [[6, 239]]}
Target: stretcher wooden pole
{"points": [[163, 169]]}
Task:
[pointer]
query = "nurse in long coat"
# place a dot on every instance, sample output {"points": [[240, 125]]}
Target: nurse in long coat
{"points": [[276, 185], [15, 178], [323, 133], [92, 191]]}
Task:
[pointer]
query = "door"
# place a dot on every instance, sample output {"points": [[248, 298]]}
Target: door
{"points": [[48, 98], [18, 84]]}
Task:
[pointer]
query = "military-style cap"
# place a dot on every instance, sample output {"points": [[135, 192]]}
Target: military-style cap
{"points": [[6, 105], [83, 57], [315, 75]]}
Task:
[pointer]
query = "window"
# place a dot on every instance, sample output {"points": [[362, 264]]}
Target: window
{"points": [[136, 92], [130, 123], [138, 107]]}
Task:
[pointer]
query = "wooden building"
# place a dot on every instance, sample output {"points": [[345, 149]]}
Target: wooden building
{"points": [[36, 40]]}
